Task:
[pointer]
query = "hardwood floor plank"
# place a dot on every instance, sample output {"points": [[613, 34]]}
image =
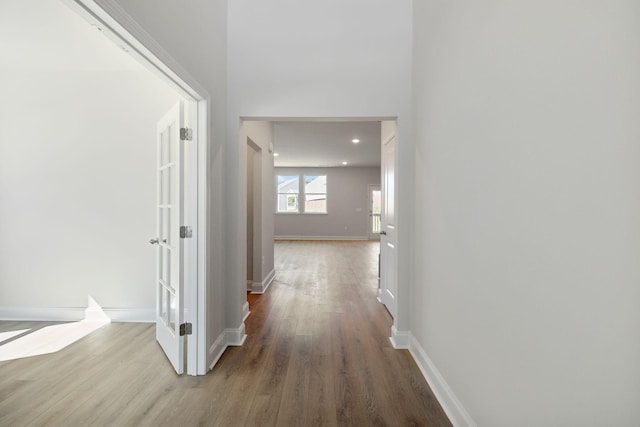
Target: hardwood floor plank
{"points": [[322, 403], [294, 402], [317, 354]]}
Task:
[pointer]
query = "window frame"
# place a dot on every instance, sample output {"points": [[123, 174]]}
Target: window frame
{"points": [[305, 194], [278, 194], [302, 194]]}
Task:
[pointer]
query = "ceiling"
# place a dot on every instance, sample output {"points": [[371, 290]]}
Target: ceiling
{"points": [[326, 143]]}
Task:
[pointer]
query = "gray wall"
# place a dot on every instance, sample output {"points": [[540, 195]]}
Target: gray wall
{"points": [[347, 205], [526, 279]]}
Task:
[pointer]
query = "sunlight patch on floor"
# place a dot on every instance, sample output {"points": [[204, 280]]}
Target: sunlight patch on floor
{"points": [[8, 335], [47, 340]]}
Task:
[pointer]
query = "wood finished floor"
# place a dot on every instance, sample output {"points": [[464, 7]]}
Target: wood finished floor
{"points": [[317, 354]]}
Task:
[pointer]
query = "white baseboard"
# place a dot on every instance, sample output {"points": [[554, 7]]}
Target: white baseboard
{"points": [[245, 311], [235, 336], [261, 288], [74, 314], [458, 416], [399, 339], [230, 337], [320, 238], [249, 285], [215, 351]]}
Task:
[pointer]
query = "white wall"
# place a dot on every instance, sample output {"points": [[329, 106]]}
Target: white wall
{"points": [[327, 58], [194, 33], [77, 176], [527, 181], [347, 205]]}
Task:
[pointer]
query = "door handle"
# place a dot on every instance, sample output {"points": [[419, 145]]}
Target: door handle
{"points": [[154, 241], [383, 233]]}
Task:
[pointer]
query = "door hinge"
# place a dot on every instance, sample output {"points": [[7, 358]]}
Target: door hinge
{"points": [[185, 329], [186, 232], [186, 134]]}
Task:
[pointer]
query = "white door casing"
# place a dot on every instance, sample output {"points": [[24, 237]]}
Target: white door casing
{"points": [[388, 233], [169, 251]]}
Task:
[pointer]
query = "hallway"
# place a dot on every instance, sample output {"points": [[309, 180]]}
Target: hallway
{"points": [[317, 353], [330, 360]]}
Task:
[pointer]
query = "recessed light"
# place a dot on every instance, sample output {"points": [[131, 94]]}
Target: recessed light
{"points": [[355, 140], [344, 163], [275, 154]]}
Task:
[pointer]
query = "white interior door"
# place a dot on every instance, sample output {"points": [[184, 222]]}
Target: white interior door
{"points": [[169, 283], [388, 232]]}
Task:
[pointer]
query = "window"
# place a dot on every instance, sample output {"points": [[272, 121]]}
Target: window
{"points": [[290, 193], [315, 194]]}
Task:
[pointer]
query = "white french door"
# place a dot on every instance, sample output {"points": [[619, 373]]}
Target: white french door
{"points": [[388, 232], [169, 214]]}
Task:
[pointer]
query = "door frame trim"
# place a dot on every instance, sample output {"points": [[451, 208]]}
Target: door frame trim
{"points": [[121, 29]]}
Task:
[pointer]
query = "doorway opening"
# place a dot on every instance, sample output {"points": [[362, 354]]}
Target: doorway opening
{"points": [[193, 195], [339, 156], [375, 210]]}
